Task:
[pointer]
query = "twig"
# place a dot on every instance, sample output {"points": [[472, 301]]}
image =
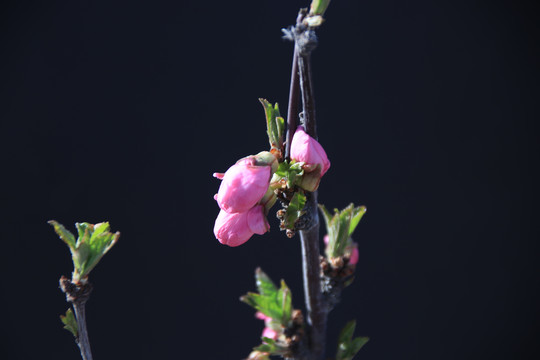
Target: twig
{"points": [[294, 89], [305, 41], [78, 294]]}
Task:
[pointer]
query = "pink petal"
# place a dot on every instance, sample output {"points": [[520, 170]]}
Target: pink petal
{"points": [[232, 229], [243, 185]]}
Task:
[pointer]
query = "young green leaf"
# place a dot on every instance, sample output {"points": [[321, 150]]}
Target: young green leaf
{"points": [[264, 284], [272, 302], [64, 234], [287, 175], [295, 209], [70, 323], [340, 227], [347, 346], [93, 242], [347, 332], [318, 7], [357, 215], [284, 295], [275, 124]]}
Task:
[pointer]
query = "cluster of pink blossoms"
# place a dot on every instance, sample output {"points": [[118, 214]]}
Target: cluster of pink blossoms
{"points": [[245, 195]]}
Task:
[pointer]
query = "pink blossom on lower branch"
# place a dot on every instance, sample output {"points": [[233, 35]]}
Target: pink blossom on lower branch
{"points": [[306, 149], [236, 228]]}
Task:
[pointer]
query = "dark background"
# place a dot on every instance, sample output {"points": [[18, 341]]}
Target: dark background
{"points": [[122, 110]]}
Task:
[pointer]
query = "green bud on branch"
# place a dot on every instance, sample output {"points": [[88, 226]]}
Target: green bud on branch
{"points": [[93, 242], [340, 227], [275, 127]]}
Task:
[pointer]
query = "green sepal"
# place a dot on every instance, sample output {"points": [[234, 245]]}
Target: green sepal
{"points": [[275, 124], [70, 323], [93, 242], [271, 301], [340, 227], [347, 346]]}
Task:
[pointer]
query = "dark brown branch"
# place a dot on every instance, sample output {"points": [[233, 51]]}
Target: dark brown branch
{"points": [[305, 42], [78, 294], [316, 309], [292, 111], [306, 85], [294, 89]]}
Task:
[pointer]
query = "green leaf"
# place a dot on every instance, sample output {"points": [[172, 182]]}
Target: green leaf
{"points": [[264, 284], [84, 231], [294, 210], [340, 226], [274, 126], [267, 348], [356, 344], [267, 305], [70, 323], [357, 215], [284, 295], [93, 242], [277, 304], [347, 332], [326, 215], [347, 346], [64, 234], [318, 7], [288, 173]]}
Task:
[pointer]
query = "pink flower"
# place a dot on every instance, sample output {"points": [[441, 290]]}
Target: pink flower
{"points": [[268, 331], [243, 185], [306, 149], [235, 229]]}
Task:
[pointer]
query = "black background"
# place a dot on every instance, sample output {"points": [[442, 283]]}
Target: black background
{"points": [[122, 110]]}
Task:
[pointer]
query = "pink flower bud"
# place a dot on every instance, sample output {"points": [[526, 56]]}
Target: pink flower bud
{"points": [[259, 315], [269, 333], [353, 260], [235, 229], [243, 185], [306, 149]]}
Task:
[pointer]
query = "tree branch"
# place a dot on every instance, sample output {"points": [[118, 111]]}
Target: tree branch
{"points": [[78, 294], [305, 42]]}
